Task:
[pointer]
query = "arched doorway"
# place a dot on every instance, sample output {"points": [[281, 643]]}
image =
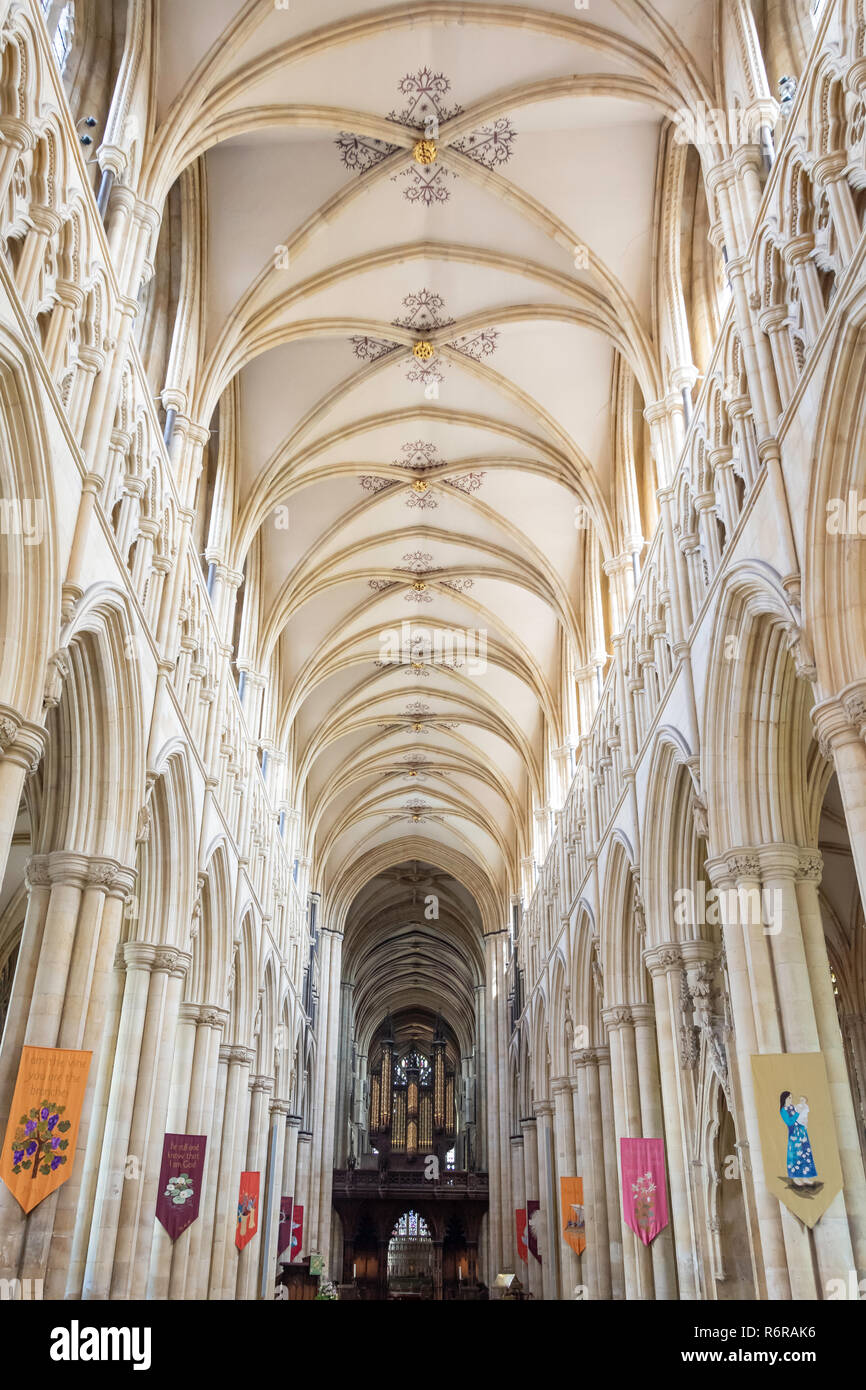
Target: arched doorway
{"points": [[411, 1262]]}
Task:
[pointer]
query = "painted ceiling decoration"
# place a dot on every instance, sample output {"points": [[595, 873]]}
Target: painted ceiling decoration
{"points": [[419, 718], [426, 313], [420, 563], [419, 456], [427, 184]]}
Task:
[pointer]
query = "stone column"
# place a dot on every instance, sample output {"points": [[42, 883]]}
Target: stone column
{"points": [[272, 1190], [332, 945], [611, 1174], [250, 1258], [518, 1189], [200, 1268], [224, 1260], [570, 1273], [290, 1167], [829, 171], [667, 968], [86, 1022], [191, 1252], [549, 1245], [808, 873], [21, 746], [133, 1033], [148, 1123], [495, 996], [841, 726], [755, 1030], [652, 1125], [302, 1183], [619, 1021], [530, 1163], [588, 1121]]}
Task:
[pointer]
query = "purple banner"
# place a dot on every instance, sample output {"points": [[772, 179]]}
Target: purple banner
{"points": [[180, 1181]]}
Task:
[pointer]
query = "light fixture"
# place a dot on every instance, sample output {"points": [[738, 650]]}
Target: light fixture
{"points": [[424, 151], [423, 350]]}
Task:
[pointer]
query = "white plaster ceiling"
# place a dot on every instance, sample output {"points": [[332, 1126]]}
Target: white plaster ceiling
{"points": [[265, 96]]}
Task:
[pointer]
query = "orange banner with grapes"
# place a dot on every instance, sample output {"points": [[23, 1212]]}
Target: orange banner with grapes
{"points": [[39, 1148]]}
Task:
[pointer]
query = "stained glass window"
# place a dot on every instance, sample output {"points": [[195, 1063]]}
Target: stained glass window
{"points": [[411, 1226]]}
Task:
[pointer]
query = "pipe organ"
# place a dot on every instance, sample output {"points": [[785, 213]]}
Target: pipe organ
{"points": [[412, 1099]]}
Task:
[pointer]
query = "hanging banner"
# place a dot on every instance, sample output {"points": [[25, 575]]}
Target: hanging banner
{"points": [[573, 1217], [180, 1181], [284, 1233], [798, 1132], [522, 1247], [291, 1223], [533, 1227], [644, 1190], [297, 1232], [248, 1209], [39, 1148]]}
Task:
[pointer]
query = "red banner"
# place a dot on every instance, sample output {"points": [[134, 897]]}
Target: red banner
{"points": [[644, 1191], [522, 1248], [291, 1226], [248, 1209], [180, 1180], [298, 1232]]}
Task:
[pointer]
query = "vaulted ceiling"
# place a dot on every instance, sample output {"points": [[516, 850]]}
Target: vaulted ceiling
{"points": [[373, 488]]}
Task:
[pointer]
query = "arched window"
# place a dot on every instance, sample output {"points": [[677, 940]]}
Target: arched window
{"points": [[411, 1226], [61, 39]]}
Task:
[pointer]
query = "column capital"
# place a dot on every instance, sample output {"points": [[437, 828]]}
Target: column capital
{"points": [[265, 1084], [68, 868], [733, 867], [280, 1107], [170, 960], [20, 741], [643, 1014], [779, 861], [241, 1056], [662, 959], [697, 952], [841, 719], [583, 1057], [617, 1016]]}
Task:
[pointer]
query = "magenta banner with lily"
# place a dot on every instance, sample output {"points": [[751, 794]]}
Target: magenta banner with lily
{"points": [[180, 1181], [644, 1190]]}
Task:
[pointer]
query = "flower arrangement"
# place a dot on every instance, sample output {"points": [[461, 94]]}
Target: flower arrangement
{"points": [[642, 1191], [37, 1144], [179, 1189], [327, 1291]]}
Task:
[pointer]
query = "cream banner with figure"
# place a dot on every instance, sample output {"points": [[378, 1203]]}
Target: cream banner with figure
{"points": [[798, 1134]]}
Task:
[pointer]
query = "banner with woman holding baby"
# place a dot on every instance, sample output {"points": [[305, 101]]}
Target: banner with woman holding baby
{"points": [[798, 1133]]}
